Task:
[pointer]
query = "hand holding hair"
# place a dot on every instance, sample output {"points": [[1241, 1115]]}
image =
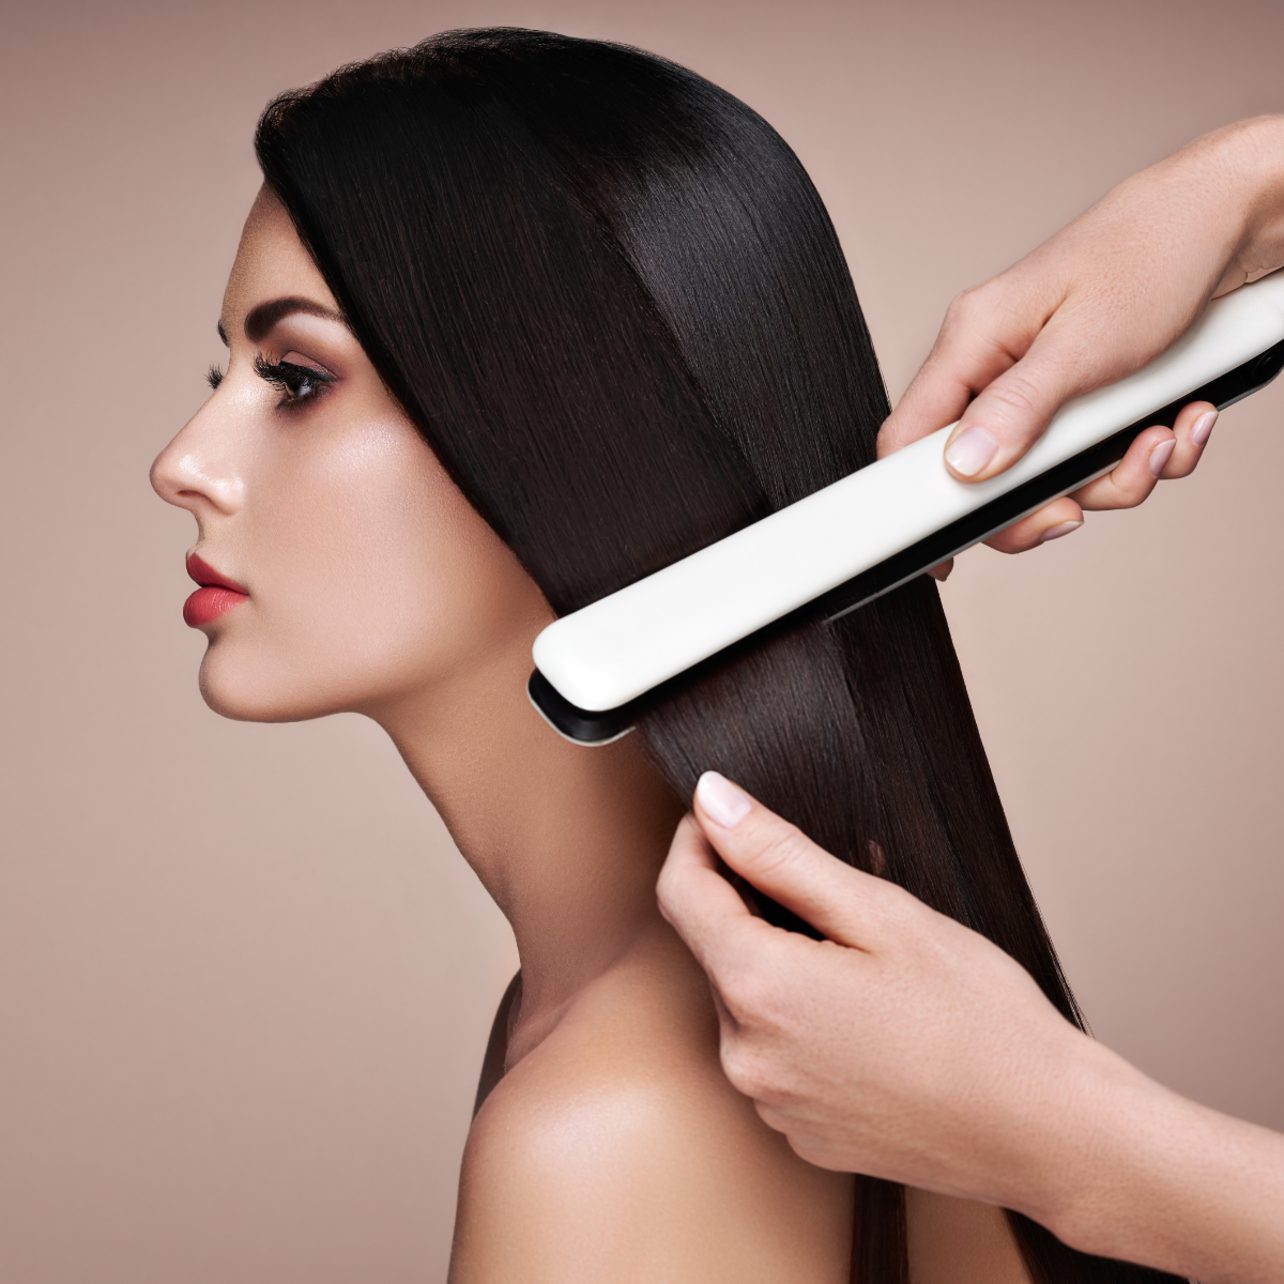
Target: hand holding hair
{"points": [[909, 1047], [1096, 302]]}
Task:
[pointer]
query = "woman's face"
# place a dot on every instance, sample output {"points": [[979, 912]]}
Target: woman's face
{"points": [[364, 575]]}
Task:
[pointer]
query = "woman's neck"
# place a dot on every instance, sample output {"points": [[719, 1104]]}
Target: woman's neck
{"points": [[568, 840]]}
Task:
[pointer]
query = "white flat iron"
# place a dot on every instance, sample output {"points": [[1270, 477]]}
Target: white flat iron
{"points": [[598, 668]]}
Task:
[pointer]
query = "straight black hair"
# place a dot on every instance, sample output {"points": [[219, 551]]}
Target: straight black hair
{"points": [[610, 298]]}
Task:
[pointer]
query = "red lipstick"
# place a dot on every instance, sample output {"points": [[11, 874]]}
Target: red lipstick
{"points": [[216, 596]]}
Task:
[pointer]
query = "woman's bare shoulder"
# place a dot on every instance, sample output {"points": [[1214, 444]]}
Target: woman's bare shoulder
{"points": [[616, 1150]]}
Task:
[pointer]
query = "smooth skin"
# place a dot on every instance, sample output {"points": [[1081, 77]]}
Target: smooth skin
{"points": [[907, 1046], [610, 1146]]}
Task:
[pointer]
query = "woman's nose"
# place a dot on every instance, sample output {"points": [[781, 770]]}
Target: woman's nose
{"points": [[197, 469]]}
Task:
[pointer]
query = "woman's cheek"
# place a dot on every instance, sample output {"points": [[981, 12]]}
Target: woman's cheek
{"points": [[373, 576]]}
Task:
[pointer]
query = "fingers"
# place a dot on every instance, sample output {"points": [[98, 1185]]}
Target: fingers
{"points": [[995, 341], [1136, 475], [702, 906], [968, 353], [1019, 384], [785, 864], [1011, 413], [938, 396], [1156, 454], [1061, 517], [808, 1140], [1192, 429]]}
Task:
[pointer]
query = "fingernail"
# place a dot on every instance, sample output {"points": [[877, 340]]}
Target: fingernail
{"points": [[970, 451], [724, 803], [1203, 426], [1056, 532], [1161, 454]]}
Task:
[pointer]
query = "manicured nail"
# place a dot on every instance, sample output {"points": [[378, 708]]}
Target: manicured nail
{"points": [[1161, 454], [724, 803], [1056, 532], [1203, 426], [970, 451]]}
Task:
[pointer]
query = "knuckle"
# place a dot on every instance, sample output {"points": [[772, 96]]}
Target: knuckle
{"points": [[746, 994], [666, 888], [755, 1075], [963, 306], [807, 1151], [784, 844], [817, 1149], [1127, 492], [742, 1067], [1015, 396], [759, 1000]]}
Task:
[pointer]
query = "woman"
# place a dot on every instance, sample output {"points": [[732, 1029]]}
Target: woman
{"points": [[515, 320]]}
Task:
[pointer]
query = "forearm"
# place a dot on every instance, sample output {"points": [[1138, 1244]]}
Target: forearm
{"points": [[1203, 220], [1148, 1176]]}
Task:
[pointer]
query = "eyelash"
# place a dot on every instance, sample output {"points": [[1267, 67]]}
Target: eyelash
{"points": [[297, 383]]}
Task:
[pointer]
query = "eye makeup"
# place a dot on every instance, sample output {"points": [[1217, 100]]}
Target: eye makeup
{"points": [[298, 383]]}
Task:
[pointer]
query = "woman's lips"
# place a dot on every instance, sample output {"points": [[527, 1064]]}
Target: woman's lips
{"points": [[216, 596]]}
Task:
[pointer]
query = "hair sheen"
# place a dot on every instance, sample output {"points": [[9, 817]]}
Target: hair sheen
{"points": [[610, 298]]}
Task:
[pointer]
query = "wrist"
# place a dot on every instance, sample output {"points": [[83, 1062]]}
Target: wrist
{"points": [[1117, 1161], [1087, 1121], [1147, 1176], [1251, 157]]}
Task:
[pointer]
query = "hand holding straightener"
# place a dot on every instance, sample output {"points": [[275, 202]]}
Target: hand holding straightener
{"points": [[1096, 302], [905, 1045]]}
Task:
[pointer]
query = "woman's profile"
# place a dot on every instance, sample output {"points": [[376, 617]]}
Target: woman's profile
{"points": [[515, 320]]}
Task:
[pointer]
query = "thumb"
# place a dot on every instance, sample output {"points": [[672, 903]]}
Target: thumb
{"points": [[781, 861], [1013, 411]]}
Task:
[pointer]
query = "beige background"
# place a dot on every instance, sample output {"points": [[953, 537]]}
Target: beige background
{"points": [[244, 979]]}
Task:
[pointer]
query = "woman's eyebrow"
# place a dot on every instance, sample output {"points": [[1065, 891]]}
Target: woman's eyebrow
{"points": [[260, 320]]}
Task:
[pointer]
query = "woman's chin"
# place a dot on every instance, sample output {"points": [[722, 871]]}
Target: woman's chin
{"points": [[249, 694]]}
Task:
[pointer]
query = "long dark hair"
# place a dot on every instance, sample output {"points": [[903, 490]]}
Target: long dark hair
{"points": [[610, 298]]}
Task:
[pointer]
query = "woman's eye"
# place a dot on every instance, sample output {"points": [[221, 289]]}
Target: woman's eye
{"points": [[297, 383]]}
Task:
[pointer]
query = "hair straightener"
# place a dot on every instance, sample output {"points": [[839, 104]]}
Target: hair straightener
{"points": [[598, 668]]}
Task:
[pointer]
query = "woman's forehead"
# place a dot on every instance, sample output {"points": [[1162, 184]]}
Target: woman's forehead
{"points": [[272, 267]]}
